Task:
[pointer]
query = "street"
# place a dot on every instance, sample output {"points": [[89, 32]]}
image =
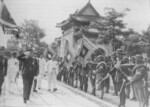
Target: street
{"points": [[63, 97]]}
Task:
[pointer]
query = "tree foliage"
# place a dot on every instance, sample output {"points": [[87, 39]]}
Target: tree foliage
{"points": [[146, 39], [31, 34], [111, 26]]}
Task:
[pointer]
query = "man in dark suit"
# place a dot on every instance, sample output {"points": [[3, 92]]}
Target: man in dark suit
{"points": [[28, 73], [3, 68]]}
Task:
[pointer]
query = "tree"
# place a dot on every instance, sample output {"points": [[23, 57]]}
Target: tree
{"points": [[114, 25], [146, 39], [31, 34], [111, 26]]}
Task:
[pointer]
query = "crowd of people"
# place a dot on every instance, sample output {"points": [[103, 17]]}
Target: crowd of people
{"points": [[127, 74], [31, 67]]}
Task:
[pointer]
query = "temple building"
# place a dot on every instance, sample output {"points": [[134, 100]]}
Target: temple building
{"points": [[79, 25]]}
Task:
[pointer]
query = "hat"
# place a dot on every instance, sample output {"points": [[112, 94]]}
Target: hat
{"points": [[120, 51], [100, 58], [139, 58]]}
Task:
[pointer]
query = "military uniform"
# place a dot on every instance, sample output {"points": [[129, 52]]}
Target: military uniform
{"points": [[138, 80], [61, 71], [101, 72], [28, 74], [119, 77], [84, 78], [70, 75], [92, 76], [3, 70]]}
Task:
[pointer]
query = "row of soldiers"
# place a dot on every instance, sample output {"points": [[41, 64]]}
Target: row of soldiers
{"points": [[126, 75]]}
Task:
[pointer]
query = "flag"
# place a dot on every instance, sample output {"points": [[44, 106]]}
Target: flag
{"points": [[87, 48], [84, 51], [69, 56], [5, 17]]}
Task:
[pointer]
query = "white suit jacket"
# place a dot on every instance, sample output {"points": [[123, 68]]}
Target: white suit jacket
{"points": [[42, 63], [52, 64], [13, 65]]}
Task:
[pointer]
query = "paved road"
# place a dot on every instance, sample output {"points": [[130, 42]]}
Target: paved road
{"points": [[61, 98]]}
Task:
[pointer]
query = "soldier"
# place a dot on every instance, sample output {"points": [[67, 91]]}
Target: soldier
{"points": [[132, 61], [3, 67], [109, 66], [28, 73], [77, 70], [101, 71], [84, 78], [61, 65], [113, 61], [92, 75], [119, 76], [138, 80]]}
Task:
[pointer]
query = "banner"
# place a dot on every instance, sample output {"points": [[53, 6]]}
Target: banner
{"points": [[5, 16], [87, 48]]}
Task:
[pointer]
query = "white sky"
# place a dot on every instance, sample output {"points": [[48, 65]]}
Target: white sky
{"points": [[50, 12]]}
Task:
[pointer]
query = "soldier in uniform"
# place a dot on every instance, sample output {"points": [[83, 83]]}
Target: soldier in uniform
{"points": [[132, 61], [101, 71], [3, 67], [109, 65], [92, 76], [84, 78], [77, 70], [138, 80], [113, 61], [71, 76], [28, 73], [119, 76]]}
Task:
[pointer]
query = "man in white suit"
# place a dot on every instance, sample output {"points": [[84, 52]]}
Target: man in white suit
{"points": [[13, 69], [52, 67]]}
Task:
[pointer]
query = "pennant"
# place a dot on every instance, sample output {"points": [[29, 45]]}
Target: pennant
{"points": [[5, 16]]}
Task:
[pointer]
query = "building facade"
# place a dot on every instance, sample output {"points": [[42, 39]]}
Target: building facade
{"points": [[77, 26]]}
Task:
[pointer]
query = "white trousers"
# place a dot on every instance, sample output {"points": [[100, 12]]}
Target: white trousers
{"points": [[11, 79], [39, 79], [52, 80]]}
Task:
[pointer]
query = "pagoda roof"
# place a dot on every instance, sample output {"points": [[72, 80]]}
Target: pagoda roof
{"points": [[88, 10], [86, 14]]}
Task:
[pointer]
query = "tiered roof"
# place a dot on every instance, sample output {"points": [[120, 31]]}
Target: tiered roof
{"points": [[86, 15]]}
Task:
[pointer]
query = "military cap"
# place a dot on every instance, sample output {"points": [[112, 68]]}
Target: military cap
{"points": [[139, 57], [125, 58], [120, 51], [100, 58]]}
